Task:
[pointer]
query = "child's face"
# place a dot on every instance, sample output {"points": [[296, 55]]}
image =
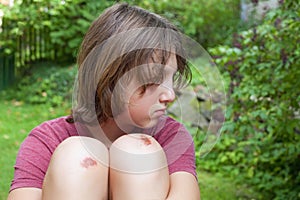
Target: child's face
{"points": [[146, 109]]}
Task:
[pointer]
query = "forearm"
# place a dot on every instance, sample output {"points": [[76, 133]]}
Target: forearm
{"points": [[183, 186]]}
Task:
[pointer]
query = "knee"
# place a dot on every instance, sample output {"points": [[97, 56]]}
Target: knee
{"points": [[83, 152], [137, 163], [81, 155], [75, 161], [137, 153]]}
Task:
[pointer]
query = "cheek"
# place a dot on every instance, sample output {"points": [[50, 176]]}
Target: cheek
{"points": [[139, 112], [139, 107]]}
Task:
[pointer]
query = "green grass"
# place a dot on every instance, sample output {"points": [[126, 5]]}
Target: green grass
{"points": [[217, 187], [16, 121]]}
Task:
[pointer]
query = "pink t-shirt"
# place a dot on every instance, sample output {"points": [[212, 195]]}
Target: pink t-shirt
{"points": [[36, 150]]}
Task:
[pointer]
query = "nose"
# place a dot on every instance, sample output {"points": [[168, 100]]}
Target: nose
{"points": [[167, 94]]}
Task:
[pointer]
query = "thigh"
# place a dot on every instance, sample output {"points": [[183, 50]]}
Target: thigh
{"points": [[78, 170], [138, 169]]}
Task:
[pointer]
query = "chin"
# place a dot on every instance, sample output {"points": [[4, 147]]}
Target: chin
{"points": [[150, 123]]}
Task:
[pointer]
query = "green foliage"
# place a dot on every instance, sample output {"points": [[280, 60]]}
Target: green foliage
{"points": [[208, 22], [63, 23], [261, 140], [45, 84], [69, 22]]}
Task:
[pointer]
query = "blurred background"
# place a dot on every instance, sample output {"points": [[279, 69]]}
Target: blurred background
{"points": [[254, 43]]}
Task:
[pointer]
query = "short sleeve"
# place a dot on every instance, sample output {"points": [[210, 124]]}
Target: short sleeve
{"points": [[35, 153], [179, 147], [31, 163]]}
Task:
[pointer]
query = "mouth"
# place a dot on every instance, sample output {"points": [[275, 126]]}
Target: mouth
{"points": [[157, 110], [158, 113]]}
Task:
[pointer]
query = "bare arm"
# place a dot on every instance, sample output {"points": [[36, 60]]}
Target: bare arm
{"points": [[25, 194], [183, 186]]}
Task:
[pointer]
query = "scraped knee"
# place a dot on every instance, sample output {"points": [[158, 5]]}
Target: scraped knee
{"points": [[137, 163], [81, 152], [137, 153], [75, 161]]}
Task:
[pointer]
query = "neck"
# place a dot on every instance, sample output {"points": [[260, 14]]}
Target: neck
{"points": [[107, 132], [111, 130]]}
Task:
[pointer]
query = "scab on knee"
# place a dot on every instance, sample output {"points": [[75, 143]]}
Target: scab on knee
{"points": [[137, 153], [147, 141], [137, 143], [137, 163], [82, 148], [88, 162], [75, 161], [79, 153]]}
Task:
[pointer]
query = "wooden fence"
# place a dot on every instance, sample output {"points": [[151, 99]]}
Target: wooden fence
{"points": [[19, 50], [7, 69]]}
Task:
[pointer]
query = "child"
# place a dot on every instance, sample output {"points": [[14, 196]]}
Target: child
{"points": [[117, 143]]}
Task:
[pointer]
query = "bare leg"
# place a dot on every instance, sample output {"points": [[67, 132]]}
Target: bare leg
{"points": [[78, 170], [138, 169]]}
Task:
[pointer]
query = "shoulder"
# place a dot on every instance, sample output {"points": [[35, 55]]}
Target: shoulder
{"points": [[165, 123], [36, 150], [168, 129], [58, 127], [60, 122], [50, 134], [178, 145]]}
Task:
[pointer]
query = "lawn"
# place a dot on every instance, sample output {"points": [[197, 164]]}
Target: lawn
{"points": [[16, 121]]}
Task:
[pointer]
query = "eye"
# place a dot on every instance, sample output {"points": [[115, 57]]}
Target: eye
{"points": [[151, 85]]}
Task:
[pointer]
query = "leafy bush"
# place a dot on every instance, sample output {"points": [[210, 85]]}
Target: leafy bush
{"points": [[261, 141], [208, 22], [62, 23], [44, 84], [69, 22]]}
